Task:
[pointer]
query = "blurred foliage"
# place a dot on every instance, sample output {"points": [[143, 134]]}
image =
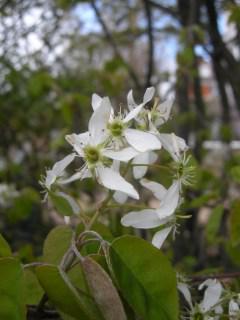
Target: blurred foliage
{"points": [[51, 62]]}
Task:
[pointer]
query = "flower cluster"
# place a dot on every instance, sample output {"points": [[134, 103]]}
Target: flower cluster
{"points": [[131, 136], [216, 302]]}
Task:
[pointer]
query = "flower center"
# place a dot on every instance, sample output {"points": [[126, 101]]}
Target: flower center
{"points": [[198, 316], [116, 128], [92, 155]]}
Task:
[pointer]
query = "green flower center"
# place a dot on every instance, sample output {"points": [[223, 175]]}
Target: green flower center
{"points": [[198, 316], [116, 128], [92, 155]]}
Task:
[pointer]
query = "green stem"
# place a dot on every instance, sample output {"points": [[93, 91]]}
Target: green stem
{"points": [[128, 206], [159, 166]]}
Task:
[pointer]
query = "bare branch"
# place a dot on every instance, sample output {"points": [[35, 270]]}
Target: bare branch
{"points": [[114, 46], [220, 276], [150, 43], [169, 10]]}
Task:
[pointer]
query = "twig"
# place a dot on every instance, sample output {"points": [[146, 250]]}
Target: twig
{"points": [[231, 275], [114, 46], [150, 43], [169, 10]]}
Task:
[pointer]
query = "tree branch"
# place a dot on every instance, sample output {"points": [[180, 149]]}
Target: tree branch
{"points": [[169, 10], [150, 43], [220, 276], [113, 44]]}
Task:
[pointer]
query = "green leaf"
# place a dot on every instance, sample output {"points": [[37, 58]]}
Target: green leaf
{"points": [[77, 278], [145, 277], [32, 289], [214, 223], [5, 250], [233, 252], [103, 290], [61, 204], [56, 244], [235, 223], [235, 173], [61, 292], [11, 290]]}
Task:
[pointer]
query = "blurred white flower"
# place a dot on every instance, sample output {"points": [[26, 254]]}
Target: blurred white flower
{"points": [[233, 310], [210, 307]]}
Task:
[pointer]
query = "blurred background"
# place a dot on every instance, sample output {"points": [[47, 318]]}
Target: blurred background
{"points": [[55, 53]]}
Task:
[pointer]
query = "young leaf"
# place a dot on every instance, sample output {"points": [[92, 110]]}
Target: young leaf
{"points": [[103, 290], [64, 204], [12, 306], [56, 244], [77, 278], [5, 250], [61, 292], [145, 277], [32, 289]]}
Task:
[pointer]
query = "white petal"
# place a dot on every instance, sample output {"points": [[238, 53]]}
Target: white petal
{"points": [[131, 102], [142, 141], [116, 165], [173, 144], [160, 237], [140, 171], [70, 200], [67, 220], [120, 197], [96, 101], [98, 122], [157, 189], [61, 165], [50, 179], [183, 288], [114, 181], [80, 175], [78, 141], [144, 219], [233, 308], [218, 311], [170, 201], [211, 295], [148, 95], [122, 155], [152, 157], [164, 110], [132, 114]]}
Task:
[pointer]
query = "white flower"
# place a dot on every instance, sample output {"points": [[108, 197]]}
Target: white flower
{"points": [[211, 300], [151, 118], [57, 171], [175, 145], [184, 289], [212, 294], [118, 129], [92, 147], [151, 218], [160, 113], [233, 310]]}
